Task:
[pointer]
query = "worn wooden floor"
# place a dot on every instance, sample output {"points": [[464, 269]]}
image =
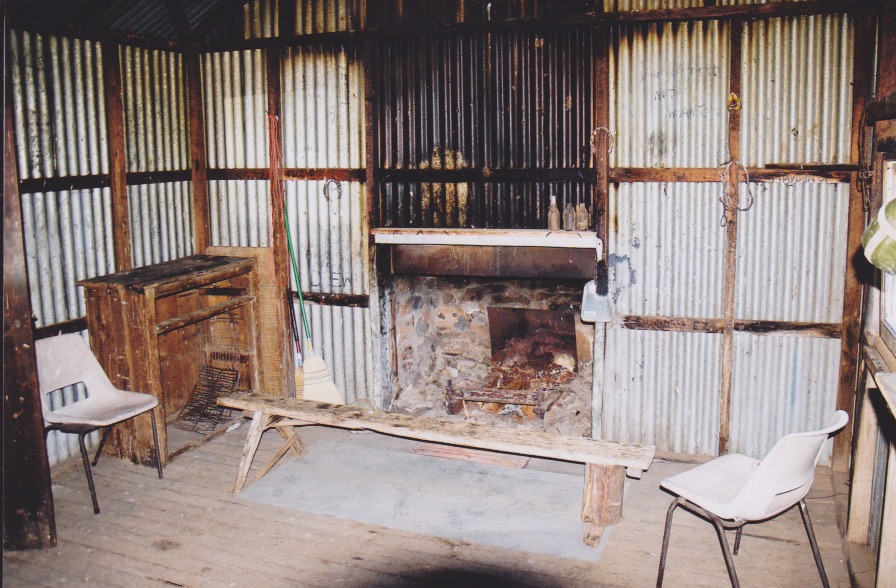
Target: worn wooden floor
{"points": [[187, 530]]}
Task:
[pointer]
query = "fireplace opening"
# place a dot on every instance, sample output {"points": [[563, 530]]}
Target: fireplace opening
{"points": [[533, 360]]}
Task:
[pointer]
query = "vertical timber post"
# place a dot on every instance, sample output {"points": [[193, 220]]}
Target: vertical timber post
{"points": [[731, 189], [28, 517], [121, 222], [198, 155]]}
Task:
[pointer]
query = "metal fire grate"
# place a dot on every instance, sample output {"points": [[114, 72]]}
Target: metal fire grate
{"points": [[218, 376]]}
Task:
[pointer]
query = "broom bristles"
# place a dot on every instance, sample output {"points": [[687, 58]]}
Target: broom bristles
{"points": [[319, 385]]}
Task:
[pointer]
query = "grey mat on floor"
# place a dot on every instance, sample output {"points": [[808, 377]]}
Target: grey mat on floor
{"points": [[520, 509]]}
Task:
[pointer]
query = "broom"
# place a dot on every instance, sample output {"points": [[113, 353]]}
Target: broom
{"points": [[319, 383]]}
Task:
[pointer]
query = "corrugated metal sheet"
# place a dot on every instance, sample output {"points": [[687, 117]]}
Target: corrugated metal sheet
{"points": [[235, 98], [155, 107], [663, 389], [323, 108], [329, 234], [500, 101], [240, 213], [260, 19], [328, 16], [797, 90], [791, 252], [68, 237], [781, 385], [667, 250], [140, 17], [161, 222], [342, 336], [668, 97], [58, 106], [626, 5]]}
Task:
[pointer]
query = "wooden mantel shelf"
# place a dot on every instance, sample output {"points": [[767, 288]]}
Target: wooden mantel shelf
{"points": [[489, 238]]}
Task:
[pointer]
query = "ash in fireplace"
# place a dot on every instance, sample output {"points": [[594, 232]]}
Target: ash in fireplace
{"points": [[532, 363]]}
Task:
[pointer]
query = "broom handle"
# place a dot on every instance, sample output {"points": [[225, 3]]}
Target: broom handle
{"points": [[277, 191]]}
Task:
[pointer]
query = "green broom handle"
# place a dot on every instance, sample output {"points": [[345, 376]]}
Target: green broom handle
{"points": [[295, 270]]}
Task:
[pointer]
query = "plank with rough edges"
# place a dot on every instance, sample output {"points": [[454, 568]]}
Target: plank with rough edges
{"points": [[635, 458]]}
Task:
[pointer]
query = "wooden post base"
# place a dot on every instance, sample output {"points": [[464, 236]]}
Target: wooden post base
{"points": [[602, 500]]}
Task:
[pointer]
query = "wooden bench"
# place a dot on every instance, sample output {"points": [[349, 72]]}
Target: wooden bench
{"points": [[606, 462]]}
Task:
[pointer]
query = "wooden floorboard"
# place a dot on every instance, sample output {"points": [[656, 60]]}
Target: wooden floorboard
{"points": [[188, 530]]}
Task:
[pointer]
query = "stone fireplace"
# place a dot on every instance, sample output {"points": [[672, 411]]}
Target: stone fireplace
{"points": [[449, 331]]}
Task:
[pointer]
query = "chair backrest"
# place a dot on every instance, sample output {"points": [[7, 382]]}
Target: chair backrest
{"points": [[785, 476], [65, 360]]}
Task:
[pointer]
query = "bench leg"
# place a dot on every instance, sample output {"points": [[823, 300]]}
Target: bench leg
{"points": [[602, 501], [259, 421], [292, 442]]}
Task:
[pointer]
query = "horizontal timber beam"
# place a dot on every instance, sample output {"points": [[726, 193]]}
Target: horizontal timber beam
{"points": [[716, 325], [289, 173], [92, 182]]}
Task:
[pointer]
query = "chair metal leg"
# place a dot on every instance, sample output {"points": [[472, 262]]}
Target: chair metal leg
{"points": [[668, 531], [155, 439], [808, 524], [86, 460], [726, 551], [740, 531], [99, 450]]}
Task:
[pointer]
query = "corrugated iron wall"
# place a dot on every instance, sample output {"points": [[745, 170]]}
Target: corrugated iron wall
{"points": [[323, 108], [797, 90], [669, 88], [60, 124], [663, 389], [157, 139], [507, 101], [235, 101], [669, 106], [790, 253], [59, 107], [667, 250], [781, 385]]}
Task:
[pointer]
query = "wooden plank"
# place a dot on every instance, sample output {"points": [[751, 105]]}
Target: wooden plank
{"points": [[886, 559], [488, 237], [850, 342], [279, 246], [121, 220], [202, 314], [534, 443], [327, 299], [728, 303], [177, 275], [508, 262], [711, 174], [861, 480], [289, 173], [471, 455], [673, 324], [90, 182], [61, 328], [28, 515], [198, 155], [158, 177]]}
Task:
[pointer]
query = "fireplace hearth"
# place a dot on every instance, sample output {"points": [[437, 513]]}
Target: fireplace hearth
{"points": [[511, 353]]}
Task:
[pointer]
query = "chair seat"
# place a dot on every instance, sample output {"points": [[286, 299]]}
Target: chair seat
{"points": [[714, 485], [103, 411]]}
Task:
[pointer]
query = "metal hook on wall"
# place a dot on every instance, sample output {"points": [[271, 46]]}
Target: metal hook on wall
{"points": [[327, 185]]}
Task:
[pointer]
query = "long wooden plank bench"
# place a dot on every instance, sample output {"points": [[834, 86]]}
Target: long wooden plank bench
{"points": [[606, 462]]}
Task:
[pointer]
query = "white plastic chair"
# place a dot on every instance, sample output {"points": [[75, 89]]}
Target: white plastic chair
{"points": [[65, 360], [734, 489]]}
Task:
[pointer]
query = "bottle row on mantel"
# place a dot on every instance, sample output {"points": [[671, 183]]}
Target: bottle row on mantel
{"points": [[573, 219]]}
